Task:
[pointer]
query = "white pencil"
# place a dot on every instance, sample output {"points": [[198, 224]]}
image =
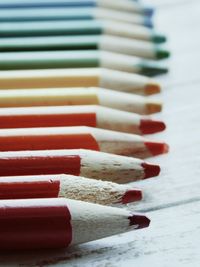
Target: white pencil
{"points": [[67, 186], [85, 115], [80, 137], [59, 222], [87, 163]]}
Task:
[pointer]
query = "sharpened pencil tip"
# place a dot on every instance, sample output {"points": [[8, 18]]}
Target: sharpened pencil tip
{"points": [[152, 69], [140, 221], [151, 126], [153, 107], [149, 11], [150, 170], [148, 22], [131, 196], [157, 148], [159, 38], [152, 88], [162, 53]]}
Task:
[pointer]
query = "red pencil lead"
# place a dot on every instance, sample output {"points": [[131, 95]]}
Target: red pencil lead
{"points": [[151, 126], [131, 195], [157, 148], [140, 221], [150, 170]]}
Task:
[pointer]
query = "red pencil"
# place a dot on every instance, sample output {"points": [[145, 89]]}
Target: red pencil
{"points": [[78, 162], [94, 116], [67, 186], [79, 137], [58, 223]]}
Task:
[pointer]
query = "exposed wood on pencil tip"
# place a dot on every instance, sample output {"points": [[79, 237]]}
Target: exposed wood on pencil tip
{"points": [[131, 196], [148, 126], [140, 221]]}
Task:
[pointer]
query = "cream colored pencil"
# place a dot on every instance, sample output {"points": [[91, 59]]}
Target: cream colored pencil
{"points": [[79, 96], [85, 77]]}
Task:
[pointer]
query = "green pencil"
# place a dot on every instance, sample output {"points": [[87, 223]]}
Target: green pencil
{"points": [[78, 59], [79, 27], [102, 42]]}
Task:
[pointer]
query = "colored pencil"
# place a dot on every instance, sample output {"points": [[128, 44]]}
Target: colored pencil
{"points": [[67, 186], [58, 222], [100, 28], [122, 5], [79, 162], [80, 137], [64, 13], [94, 116], [83, 77], [125, 46], [79, 96], [78, 59]]}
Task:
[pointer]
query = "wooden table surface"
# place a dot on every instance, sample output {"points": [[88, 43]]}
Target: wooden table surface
{"points": [[172, 200]]}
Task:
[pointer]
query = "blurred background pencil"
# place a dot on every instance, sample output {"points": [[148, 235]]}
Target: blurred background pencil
{"points": [[77, 13], [122, 5], [94, 116], [58, 222], [67, 186], [80, 27], [79, 96], [80, 162], [126, 46], [79, 59], [83, 77], [80, 137]]}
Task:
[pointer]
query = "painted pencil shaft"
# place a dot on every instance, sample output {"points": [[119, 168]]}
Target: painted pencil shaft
{"points": [[122, 5], [86, 13], [88, 115], [80, 27], [59, 222], [67, 186], [84, 77], [79, 137], [106, 43], [78, 59], [79, 96], [86, 163]]}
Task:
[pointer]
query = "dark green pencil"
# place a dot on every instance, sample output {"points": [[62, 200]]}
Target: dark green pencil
{"points": [[107, 43], [78, 59], [79, 27]]}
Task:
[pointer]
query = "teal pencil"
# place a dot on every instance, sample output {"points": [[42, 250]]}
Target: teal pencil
{"points": [[78, 59], [123, 5], [86, 13], [79, 27], [96, 42]]}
